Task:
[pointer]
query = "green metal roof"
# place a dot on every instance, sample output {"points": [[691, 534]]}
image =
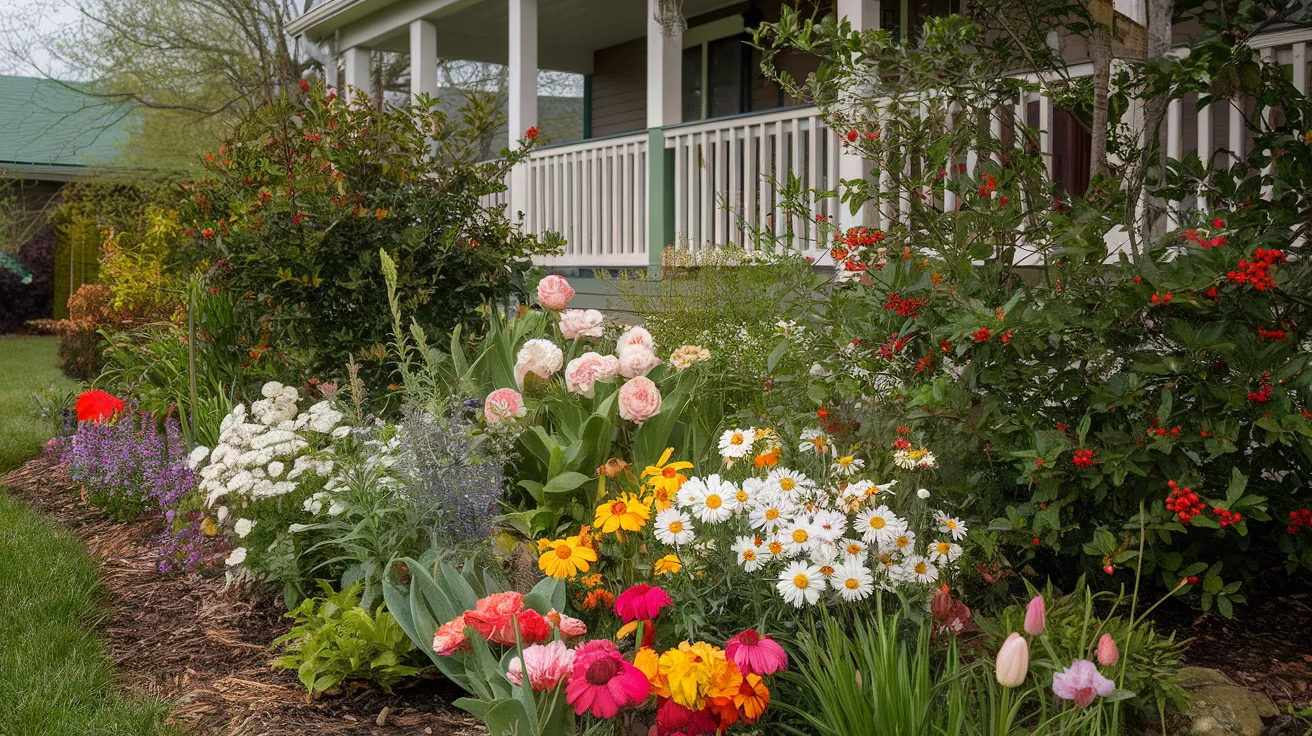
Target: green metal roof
{"points": [[49, 130]]}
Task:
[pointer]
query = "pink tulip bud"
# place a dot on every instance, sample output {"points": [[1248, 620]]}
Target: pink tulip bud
{"points": [[1013, 661], [1036, 616], [1108, 654]]}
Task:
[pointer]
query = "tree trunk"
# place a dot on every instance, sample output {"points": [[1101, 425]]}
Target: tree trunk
{"points": [[1102, 77]]}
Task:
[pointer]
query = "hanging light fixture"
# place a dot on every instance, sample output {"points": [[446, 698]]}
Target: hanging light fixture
{"points": [[669, 13]]}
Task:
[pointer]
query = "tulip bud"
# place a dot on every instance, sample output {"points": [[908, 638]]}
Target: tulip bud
{"points": [[1108, 654], [1036, 616], [1013, 661]]}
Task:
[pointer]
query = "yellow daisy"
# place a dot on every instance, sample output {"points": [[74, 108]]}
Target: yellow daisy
{"points": [[566, 557], [665, 479], [628, 512]]}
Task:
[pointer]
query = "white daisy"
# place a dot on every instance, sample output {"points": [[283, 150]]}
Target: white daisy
{"points": [[673, 527], [749, 553], [813, 440], [773, 547], [711, 500], [790, 482], [848, 465], [951, 525], [920, 570], [829, 524], [878, 524], [942, 553], [770, 514], [852, 580], [737, 443], [801, 583], [904, 542], [927, 461], [744, 493], [825, 556], [799, 537], [854, 548]]}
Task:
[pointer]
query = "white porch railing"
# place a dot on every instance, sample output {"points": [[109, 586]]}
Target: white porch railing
{"points": [[727, 173]]}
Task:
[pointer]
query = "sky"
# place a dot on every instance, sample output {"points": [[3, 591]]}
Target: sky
{"points": [[24, 23]]}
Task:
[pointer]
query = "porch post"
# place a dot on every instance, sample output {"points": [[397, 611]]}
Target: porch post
{"points": [[863, 15], [664, 84], [523, 103], [423, 59], [357, 72]]}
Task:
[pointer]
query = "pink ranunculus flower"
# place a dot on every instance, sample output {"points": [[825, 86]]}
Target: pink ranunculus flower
{"points": [[569, 626], [1036, 616], [603, 683], [585, 371], [547, 664], [554, 292], [756, 654], [1108, 654], [503, 404], [450, 637], [635, 360], [635, 337], [540, 357], [641, 602], [582, 323], [639, 399], [1082, 683]]}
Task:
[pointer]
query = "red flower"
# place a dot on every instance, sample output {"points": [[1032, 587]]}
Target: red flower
{"points": [[305, 85], [95, 406], [1218, 222], [981, 335], [207, 233], [532, 133], [852, 136], [642, 601], [1083, 458]]}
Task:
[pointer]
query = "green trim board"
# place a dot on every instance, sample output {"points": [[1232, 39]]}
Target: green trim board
{"points": [[660, 193]]}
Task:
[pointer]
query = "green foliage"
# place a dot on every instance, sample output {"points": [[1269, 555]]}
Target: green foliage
{"points": [[309, 190], [336, 640]]}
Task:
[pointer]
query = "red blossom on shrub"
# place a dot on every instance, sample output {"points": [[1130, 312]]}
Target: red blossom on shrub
{"points": [[97, 406], [1083, 458], [981, 335]]}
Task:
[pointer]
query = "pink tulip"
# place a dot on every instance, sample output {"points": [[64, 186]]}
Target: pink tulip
{"points": [[1013, 661], [1108, 654], [1082, 683], [1036, 616]]}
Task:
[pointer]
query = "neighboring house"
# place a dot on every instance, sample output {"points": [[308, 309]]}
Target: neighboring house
{"points": [[50, 134], [681, 131]]}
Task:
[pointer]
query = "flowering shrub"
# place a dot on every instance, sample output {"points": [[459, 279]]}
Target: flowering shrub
{"points": [[124, 461]]}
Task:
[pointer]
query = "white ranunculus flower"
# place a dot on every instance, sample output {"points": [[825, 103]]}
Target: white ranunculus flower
{"points": [[197, 456], [540, 357], [222, 514], [237, 557], [275, 468], [923, 493], [243, 527], [271, 389], [341, 431]]}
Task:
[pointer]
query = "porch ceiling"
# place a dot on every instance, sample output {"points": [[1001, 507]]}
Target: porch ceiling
{"points": [[477, 30]]}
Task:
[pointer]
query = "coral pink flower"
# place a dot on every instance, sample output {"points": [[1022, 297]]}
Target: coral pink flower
{"points": [[503, 404], [1035, 616], [602, 683], [554, 292], [450, 637], [1108, 654], [568, 625], [96, 406], [497, 616], [756, 654], [635, 337], [548, 664], [585, 371], [1081, 682], [642, 601], [639, 399], [576, 323], [636, 360]]}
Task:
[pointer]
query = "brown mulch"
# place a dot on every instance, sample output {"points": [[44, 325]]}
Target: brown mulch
{"points": [[208, 650]]}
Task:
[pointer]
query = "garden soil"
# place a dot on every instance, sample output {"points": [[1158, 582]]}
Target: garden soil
{"points": [[208, 650]]}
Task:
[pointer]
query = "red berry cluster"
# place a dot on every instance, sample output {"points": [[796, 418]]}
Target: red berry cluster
{"points": [[1183, 502], [1083, 458], [1263, 392], [1160, 299], [847, 247], [1202, 240], [981, 335], [1226, 517], [1162, 431], [1257, 271], [909, 307], [1299, 520], [1276, 335], [989, 186]]}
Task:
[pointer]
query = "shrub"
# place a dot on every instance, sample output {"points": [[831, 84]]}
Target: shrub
{"points": [[309, 189], [128, 465], [28, 297], [81, 354]]}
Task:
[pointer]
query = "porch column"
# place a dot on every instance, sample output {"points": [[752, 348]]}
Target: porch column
{"points": [[664, 107], [357, 72], [863, 15], [423, 59], [523, 103]]}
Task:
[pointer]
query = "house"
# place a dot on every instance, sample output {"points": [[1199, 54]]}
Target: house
{"points": [[681, 130]]}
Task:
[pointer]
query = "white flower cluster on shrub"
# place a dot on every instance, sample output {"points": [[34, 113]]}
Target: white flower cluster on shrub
{"points": [[253, 458]]}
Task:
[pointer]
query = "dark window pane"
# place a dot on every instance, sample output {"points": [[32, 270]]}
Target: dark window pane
{"points": [[725, 77], [692, 84]]}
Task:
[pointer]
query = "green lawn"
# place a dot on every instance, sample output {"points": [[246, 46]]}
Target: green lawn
{"points": [[27, 365], [55, 676]]}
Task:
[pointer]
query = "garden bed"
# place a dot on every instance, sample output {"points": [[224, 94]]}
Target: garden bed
{"points": [[187, 640]]}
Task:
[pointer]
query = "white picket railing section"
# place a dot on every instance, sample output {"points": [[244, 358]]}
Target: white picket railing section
{"points": [[594, 194], [727, 173]]}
